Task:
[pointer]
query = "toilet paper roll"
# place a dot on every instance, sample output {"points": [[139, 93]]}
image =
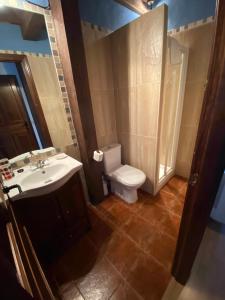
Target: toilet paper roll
{"points": [[98, 155]]}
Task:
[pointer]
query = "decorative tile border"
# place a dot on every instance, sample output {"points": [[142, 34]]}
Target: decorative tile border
{"points": [[55, 54], [96, 27], [192, 25], [24, 53]]}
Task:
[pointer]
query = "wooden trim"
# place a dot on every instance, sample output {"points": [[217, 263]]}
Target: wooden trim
{"points": [[39, 286], [209, 159], [30, 88], [22, 276], [28, 268], [71, 50], [39, 274]]}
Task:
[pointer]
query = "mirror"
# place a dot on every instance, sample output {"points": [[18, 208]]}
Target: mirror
{"points": [[32, 115]]}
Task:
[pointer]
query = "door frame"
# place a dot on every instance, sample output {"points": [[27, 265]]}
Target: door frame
{"points": [[209, 158], [25, 73]]}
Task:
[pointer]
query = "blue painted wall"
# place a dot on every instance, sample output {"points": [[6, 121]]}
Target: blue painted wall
{"points": [[11, 39], [106, 13], [112, 15], [182, 12], [10, 69], [43, 3]]}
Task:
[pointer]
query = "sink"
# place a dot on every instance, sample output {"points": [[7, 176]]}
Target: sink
{"points": [[56, 173], [43, 176]]}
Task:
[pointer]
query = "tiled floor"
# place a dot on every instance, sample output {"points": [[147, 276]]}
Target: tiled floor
{"points": [[129, 251]]}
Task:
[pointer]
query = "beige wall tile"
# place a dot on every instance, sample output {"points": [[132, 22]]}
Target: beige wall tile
{"points": [[146, 160], [199, 42], [148, 101], [194, 93], [99, 63], [185, 150], [48, 89], [124, 56], [126, 104]]}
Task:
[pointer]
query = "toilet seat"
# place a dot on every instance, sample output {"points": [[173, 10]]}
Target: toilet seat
{"points": [[128, 176]]}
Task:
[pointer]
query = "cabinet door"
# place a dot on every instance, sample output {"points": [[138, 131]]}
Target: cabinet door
{"points": [[41, 216], [72, 202]]}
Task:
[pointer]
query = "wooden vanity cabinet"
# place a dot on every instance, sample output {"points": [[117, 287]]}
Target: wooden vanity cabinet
{"points": [[55, 220]]}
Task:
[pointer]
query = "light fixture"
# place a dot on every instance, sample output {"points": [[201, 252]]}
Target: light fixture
{"points": [[148, 3]]}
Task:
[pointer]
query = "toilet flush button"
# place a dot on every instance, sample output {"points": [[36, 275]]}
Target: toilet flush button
{"points": [[98, 155]]}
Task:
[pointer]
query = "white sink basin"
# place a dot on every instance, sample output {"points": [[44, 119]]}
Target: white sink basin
{"points": [[43, 176], [45, 180]]}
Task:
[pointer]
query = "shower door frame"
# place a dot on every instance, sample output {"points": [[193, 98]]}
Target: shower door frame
{"points": [[179, 109], [209, 160]]}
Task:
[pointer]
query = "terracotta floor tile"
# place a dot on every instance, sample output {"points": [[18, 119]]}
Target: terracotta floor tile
{"points": [[122, 253], [162, 247], [100, 233], [161, 218], [170, 225], [125, 242], [119, 214], [107, 203], [76, 262], [125, 292], [170, 202], [100, 282], [176, 186], [151, 240], [139, 230], [70, 292], [148, 278]]}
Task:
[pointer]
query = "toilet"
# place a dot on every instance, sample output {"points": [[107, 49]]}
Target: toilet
{"points": [[124, 179]]}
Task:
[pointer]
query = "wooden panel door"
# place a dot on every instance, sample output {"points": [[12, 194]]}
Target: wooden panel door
{"points": [[16, 135]]}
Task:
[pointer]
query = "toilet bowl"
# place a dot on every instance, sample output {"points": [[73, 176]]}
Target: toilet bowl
{"points": [[124, 179]]}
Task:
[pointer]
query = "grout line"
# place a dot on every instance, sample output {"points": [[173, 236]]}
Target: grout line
{"points": [[121, 231], [146, 220], [118, 273]]}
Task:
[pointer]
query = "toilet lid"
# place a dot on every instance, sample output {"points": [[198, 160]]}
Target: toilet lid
{"points": [[128, 176]]}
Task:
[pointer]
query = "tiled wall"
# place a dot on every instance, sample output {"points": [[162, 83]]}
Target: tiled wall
{"points": [[198, 38], [43, 71], [137, 90], [99, 63], [73, 146], [138, 58]]}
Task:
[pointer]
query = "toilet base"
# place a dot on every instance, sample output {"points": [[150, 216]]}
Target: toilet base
{"points": [[128, 195]]}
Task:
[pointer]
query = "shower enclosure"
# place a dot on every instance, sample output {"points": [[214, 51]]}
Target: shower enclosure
{"points": [[171, 110]]}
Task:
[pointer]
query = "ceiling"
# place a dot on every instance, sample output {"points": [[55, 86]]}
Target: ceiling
{"points": [[32, 24]]}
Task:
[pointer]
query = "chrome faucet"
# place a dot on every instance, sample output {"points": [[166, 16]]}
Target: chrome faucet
{"points": [[40, 164]]}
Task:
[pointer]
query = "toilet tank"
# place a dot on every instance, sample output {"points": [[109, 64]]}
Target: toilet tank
{"points": [[112, 157]]}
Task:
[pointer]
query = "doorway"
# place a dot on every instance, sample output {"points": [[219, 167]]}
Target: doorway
{"points": [[22, 124], [16, 134]]}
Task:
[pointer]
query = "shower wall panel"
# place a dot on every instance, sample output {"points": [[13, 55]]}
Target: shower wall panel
{"points": [[99, 64], [199, 42], [138, 51]]}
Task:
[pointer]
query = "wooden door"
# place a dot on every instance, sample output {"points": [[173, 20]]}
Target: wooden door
{"points": [[16, 135], [208, 161]]}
